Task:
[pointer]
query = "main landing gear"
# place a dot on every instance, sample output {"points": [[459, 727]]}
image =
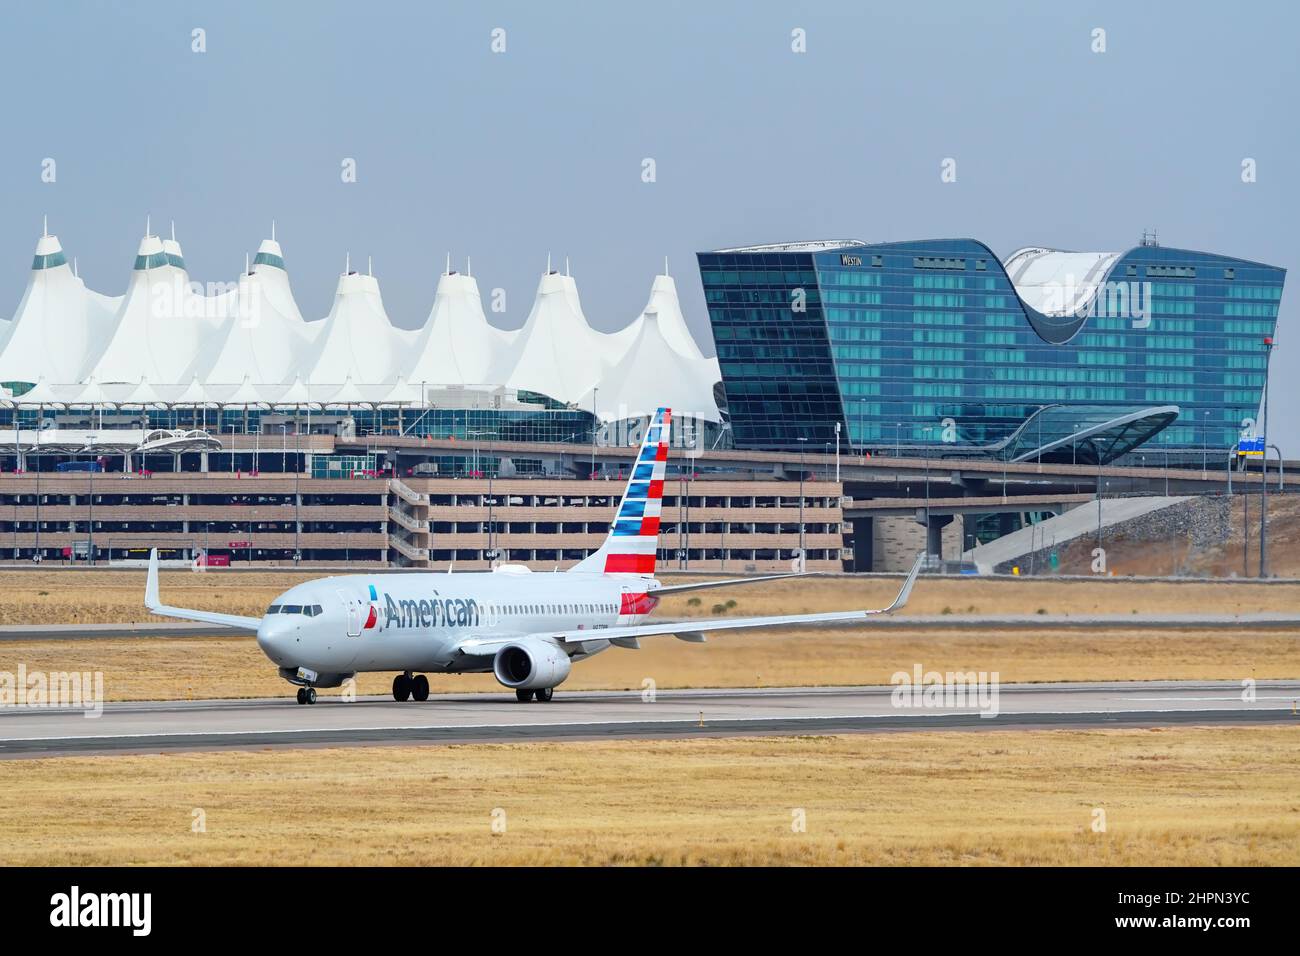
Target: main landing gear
{"points": [[306, 695], [543, 695], [407, 687]]}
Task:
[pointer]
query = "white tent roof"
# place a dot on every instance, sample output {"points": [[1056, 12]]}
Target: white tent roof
{"points": [[163, 327], [42, 393], [457, 345], [664, 302], [348, 394], [652, 375], [356, 342], [266, 337], [402, 393], [60, 326], [144, 395], [296, 395], [246, 395], [556, 352], [194, 395], [91, 394]]}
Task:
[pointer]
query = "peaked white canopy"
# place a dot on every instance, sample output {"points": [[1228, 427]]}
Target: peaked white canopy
{"points": [[92, 394], [165, 342], [651, 375], [297, 395], [348, 394], [664, 303], [60, 326], [266, 337], [144, 395], [246, 395], [356, 342], [194, 395], [457, 345], [402, 393], [162, 328], [557, 352]]}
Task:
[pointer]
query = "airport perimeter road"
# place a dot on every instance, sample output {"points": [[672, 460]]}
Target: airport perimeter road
{"points": [[208, 725]]}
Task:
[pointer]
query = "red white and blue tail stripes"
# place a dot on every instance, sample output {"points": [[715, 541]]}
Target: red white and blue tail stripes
{"points": [[634, 537]]}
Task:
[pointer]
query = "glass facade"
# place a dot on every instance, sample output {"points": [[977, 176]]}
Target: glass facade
{"points": [[561, 426], [927, 342]]}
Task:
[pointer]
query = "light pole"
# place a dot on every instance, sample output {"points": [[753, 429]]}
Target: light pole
{"points": [[36, 458], [90, 528], [234, 461], [803, 445], [926, 432], [1263, 475], [837, 452], [1096, 449], [594, 421], [1205, 444]]}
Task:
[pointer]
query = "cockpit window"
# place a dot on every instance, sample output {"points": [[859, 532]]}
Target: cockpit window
{"points": [[311, 610], [273, 609], [290, 608]]}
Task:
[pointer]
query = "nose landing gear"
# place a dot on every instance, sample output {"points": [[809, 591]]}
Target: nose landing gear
{"points": [[306, 695]]}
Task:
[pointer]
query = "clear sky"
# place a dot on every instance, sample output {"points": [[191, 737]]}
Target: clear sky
{"points": [[506, 156]]}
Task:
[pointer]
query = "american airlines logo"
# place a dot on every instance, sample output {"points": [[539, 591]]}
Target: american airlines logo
{"points": [[430, 612], [850, 260]]}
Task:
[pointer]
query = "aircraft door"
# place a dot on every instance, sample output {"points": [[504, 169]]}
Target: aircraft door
{"points": [[353, 608]]}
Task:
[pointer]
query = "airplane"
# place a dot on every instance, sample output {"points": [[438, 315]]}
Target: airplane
{"points": [[527, 628]]}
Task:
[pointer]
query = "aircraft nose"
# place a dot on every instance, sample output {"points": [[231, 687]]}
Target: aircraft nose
{"points": [[271, 637]]}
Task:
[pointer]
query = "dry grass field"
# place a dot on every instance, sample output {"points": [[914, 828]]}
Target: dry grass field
{"points": [[57, 596], [1170, 798], [206, 667]]}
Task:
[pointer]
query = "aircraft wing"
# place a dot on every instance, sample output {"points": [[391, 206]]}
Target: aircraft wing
{"points": [[693, 631], [155, 606], [727, 582]]}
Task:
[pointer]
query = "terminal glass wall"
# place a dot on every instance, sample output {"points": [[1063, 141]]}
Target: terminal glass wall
{"points": [[927, 342]]}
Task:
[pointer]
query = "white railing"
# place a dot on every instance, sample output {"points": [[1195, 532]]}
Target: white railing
{"points": [[405, 491], [409, 522]]}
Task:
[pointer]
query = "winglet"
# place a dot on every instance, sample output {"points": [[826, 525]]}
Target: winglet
{"points": [[906, 591], [151, 599]]}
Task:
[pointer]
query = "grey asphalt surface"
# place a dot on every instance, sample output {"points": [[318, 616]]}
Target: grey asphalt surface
{"points": [[938, 622], [152, 727]]}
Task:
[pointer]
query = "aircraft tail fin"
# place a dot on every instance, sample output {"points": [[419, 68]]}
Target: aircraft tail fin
{"points": [[633, 538]]}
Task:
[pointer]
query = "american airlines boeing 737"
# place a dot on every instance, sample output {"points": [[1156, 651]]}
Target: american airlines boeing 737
{"points": [[527, 628]]}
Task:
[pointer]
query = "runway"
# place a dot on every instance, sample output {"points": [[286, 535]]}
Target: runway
{"points": [[1245, 623], [152, 727]]}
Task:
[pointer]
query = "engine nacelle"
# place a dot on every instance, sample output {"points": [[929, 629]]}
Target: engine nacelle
{"points": [[531, 665]]}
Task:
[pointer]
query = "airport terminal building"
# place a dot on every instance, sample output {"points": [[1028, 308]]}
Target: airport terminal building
{"points": [[223, 423], [939, 343]]}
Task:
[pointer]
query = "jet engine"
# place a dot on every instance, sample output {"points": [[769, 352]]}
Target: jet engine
{"points": [[531, 664]]}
